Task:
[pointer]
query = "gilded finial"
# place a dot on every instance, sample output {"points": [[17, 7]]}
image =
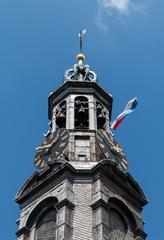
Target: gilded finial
{"points": [[80, 57]]}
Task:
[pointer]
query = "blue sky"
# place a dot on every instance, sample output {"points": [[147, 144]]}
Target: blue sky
{"points": [[124, 44]]}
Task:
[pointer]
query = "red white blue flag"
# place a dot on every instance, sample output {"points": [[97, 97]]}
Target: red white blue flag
{"points": [[130, 106]]}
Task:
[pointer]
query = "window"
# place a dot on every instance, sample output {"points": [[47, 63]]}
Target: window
{"points": [[117, 226], [42, 221], [121, 224], [61, 115], [46, 225], [101, 116], [81, 113]]}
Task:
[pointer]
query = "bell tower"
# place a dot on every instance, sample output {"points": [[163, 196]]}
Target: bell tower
{"points": [[81, 189]]}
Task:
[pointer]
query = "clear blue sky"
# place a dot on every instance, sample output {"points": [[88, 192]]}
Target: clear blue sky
{"points": [[124, 44]]}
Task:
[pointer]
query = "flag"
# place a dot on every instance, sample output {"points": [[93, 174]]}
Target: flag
{"points": [[81, 33], [130, 106]]}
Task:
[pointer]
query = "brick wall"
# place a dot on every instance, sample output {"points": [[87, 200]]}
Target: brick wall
{"points": [[82, 216]]}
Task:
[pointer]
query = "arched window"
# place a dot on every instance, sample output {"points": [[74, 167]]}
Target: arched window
{"points": [[42, 221], [81, 113], [121, 221], [46, 225], [117, 226], [61, 115], [101, 116]]}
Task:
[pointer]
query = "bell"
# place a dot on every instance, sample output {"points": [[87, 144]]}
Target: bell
{"points": [[81, 113], [61, 120], [101, 119]]}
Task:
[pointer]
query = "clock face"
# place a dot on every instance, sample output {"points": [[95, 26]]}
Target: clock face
{"points": [[52, 147], [110, 149]]}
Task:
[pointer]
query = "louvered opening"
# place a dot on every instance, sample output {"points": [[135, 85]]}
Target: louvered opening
{"points": [[46, 225]]}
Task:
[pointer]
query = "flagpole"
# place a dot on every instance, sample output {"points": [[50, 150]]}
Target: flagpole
{"points": [[81, 42], [81, 35]]}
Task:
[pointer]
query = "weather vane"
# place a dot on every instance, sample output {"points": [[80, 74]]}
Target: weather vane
{"points": [[81, 35]]}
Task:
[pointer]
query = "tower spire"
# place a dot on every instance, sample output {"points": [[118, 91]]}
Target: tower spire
{"points": [[81, 188]]}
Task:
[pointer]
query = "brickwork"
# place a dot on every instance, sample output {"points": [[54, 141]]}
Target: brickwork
{"points": [[82, 216]]}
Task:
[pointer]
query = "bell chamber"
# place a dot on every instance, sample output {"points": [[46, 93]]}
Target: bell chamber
{"points": [[81, 113], [101, 115], [61, 115]]}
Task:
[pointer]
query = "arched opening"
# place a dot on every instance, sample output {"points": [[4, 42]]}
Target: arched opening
{"points": [[42, 220], [117, 225], [81, 113], [121, 221], [61, 115], [101, 116], [46, 225]]}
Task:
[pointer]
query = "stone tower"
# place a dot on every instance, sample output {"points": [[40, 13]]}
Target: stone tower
{"points": [[81, 189]]}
